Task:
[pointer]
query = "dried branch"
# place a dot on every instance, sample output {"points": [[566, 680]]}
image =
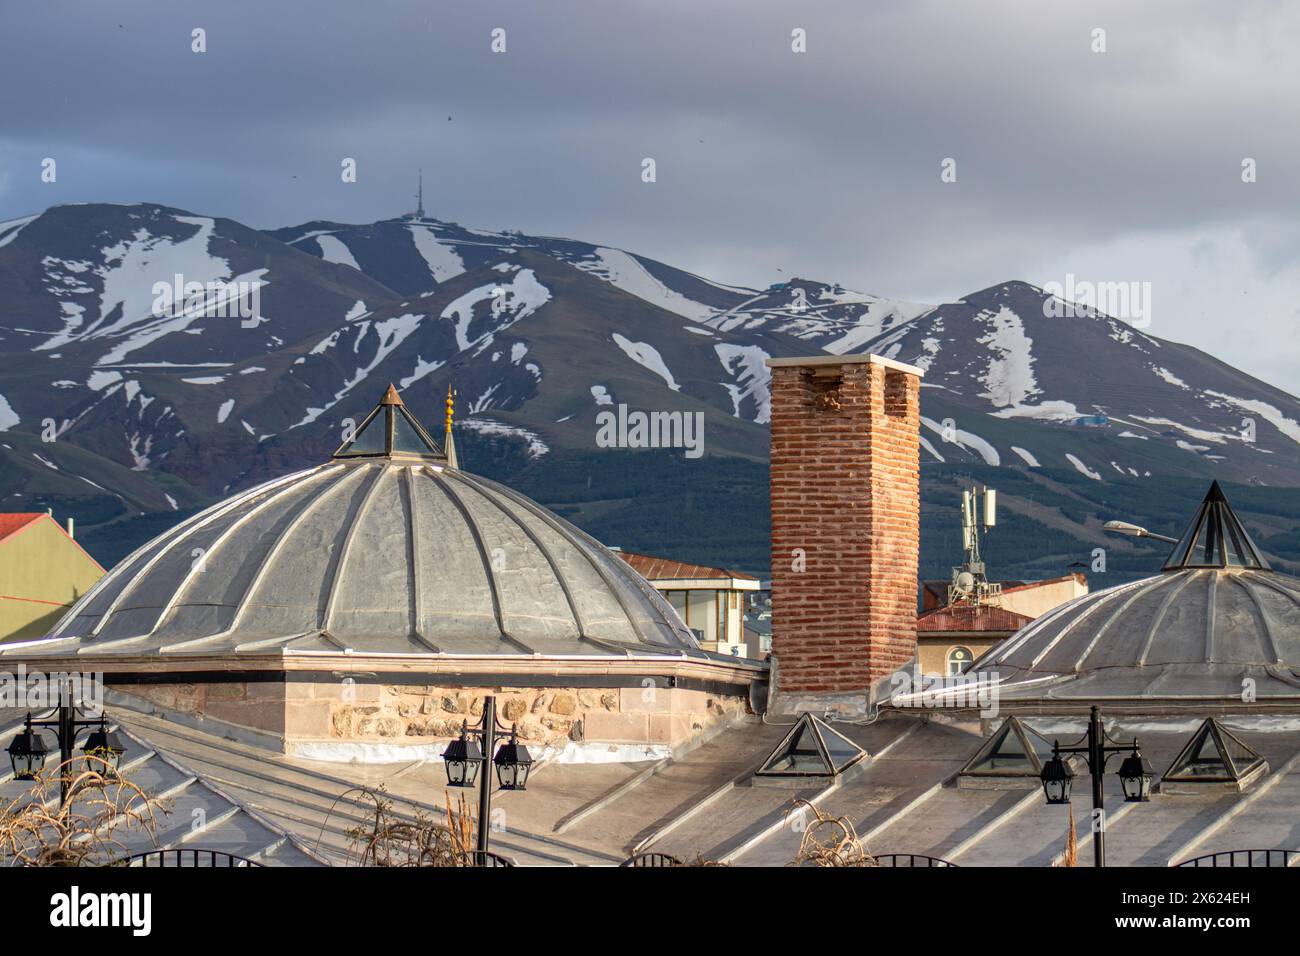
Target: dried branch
{"points": [[386, 841], [829, 841], [36, 831]]}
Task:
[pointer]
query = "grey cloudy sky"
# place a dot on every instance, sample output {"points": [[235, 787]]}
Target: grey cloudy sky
{"points": [[1115, 166]]}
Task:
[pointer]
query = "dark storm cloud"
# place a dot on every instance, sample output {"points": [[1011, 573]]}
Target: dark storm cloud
{"points": [[1115, 166]]}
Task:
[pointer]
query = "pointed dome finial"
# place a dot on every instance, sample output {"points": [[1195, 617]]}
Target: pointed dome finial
{"points": [[449, 444]]}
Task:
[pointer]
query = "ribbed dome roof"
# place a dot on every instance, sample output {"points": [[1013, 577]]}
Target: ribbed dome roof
{"points": [[388, 553], [1200, 629], [1187, 633]]}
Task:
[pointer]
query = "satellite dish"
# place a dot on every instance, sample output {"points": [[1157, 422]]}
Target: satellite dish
{"points": [[965, 581]]}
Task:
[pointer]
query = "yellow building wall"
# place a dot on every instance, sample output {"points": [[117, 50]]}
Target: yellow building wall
{"points": [[42, 573], [932, 651], [1037, 601]]}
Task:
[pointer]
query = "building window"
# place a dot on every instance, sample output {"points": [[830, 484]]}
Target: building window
{"points": [[959, 658], [678, 600], [701, 606]]}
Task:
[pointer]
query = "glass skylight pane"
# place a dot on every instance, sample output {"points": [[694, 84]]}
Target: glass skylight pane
{"points": [[372, 439], [842, 750], [800, 754], [407, 440], [1203, 759], [1242, 757], [1215, 538], [1006, 752]]}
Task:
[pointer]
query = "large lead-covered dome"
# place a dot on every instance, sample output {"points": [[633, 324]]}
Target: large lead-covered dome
{"points": [[387, 548], [1217, 623]]}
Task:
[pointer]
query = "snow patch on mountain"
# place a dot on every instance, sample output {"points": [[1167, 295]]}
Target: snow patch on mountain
{"points": [[1217, 437], [98, 381], [648, 357], [8, 417], [132, 265], [966, 440], [624, 272], [1026, 456], [879, 317], [1052, 411], [487, 426], [390, 332], [747, 364], [442, 260], [9, 230], [925, 443], [1009, 377], [1270, 413], [224, 411], [1170, 377], [601, 395], [520, 297], [332, 249], [422, 368], [1081, 468]]}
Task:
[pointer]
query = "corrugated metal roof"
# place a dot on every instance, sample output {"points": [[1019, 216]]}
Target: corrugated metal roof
{"points": [[965, 618], [902, 798]]}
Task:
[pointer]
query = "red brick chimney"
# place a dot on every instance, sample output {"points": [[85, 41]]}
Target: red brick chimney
{"points": [[845, 527]]}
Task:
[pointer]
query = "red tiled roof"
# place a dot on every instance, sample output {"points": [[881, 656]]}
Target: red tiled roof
{"points": [[968, 619], [660, 569], [11, 523]]}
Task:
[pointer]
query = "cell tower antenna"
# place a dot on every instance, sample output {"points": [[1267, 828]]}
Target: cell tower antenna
{"points": [[970, 585], [419, 198]]}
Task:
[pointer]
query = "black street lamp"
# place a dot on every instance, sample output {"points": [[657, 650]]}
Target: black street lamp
{"points": [[27, 751], [1134, 775], [464, 759]]}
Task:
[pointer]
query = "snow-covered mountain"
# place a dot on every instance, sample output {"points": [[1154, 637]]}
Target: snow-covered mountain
{"points": [[155, 358], [1029, 386]]}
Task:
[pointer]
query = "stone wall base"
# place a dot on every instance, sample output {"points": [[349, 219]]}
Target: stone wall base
{"points": [[378, 722]]}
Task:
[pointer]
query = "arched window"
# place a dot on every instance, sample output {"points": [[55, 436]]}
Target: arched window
{"points": [[959, 658]]}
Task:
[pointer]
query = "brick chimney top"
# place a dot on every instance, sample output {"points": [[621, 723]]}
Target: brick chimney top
{"points": [[838, 361], [845, 527]]}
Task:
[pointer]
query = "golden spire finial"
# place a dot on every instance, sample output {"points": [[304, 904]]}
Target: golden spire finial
{"points": [[451, 406]]}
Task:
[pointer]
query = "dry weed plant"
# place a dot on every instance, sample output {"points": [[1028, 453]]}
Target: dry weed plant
{"points": [[386, 840], [829, 841], [36, 831]]}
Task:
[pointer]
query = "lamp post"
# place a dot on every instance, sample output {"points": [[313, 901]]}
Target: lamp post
{"points": [[27, 751], [464, 759], [1134, 775]]}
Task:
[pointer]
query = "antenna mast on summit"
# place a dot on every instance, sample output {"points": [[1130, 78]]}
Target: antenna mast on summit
{"points": [[419, 198]]}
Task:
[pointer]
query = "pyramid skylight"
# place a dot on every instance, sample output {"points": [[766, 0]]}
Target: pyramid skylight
{"points": [[390, 431], [1215, 539], [811, 749], [1013, 751], [1214, 755]]}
